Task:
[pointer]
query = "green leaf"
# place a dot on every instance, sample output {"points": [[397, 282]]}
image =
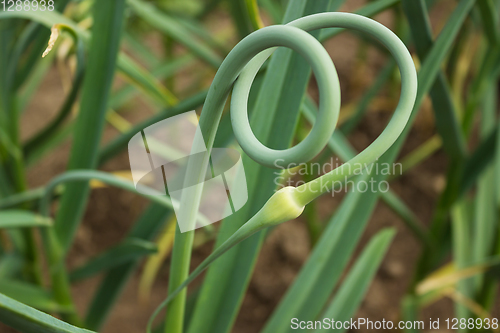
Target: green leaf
{"points": [[427, 75], [28, 320], [489, 15], [129, 250], [172, 28], [371, 9], [22, 219], [30, 294], [102, 56], [103, 51], [145, 81], [486, 210], [477, 161], [47, 18], [42, 138], [461, 230], [240, 17], [351, 292], [121, 141], [160, 72], [447, 123]]}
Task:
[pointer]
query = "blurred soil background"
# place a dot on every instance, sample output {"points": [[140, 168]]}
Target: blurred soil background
{"points": [[111, 212]]}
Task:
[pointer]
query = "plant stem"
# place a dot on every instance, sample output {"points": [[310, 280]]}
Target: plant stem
{"points": [[103, 51]]}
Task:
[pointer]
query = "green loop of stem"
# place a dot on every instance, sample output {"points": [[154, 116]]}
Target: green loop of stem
{"points": [[329, 108], [309, 191], [329, 94]]}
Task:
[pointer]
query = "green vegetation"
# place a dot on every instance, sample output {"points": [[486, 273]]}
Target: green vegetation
{"points": [[265, 72]]}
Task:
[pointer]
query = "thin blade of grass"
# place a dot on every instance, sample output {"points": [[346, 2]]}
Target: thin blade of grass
{"points": [[489, 15], [427, 75], [136, 46]]}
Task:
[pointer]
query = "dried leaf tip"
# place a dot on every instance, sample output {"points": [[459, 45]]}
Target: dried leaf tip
{"points": [[54, 34]]}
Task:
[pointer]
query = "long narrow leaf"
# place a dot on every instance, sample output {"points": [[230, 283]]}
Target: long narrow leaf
{"points": [[173, 29], [22, 219], [447, 123], [350, 294], [30, 295], [29, 320]]}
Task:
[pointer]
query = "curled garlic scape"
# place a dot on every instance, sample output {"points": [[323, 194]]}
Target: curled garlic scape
{"points": [[239, 70]]}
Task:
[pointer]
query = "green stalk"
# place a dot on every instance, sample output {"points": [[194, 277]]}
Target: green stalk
{"points": [[15, 162], [241, 18], [103, 51], [247, 49], [281, 207], [179, 268], [85, 176], [278, 99]]}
